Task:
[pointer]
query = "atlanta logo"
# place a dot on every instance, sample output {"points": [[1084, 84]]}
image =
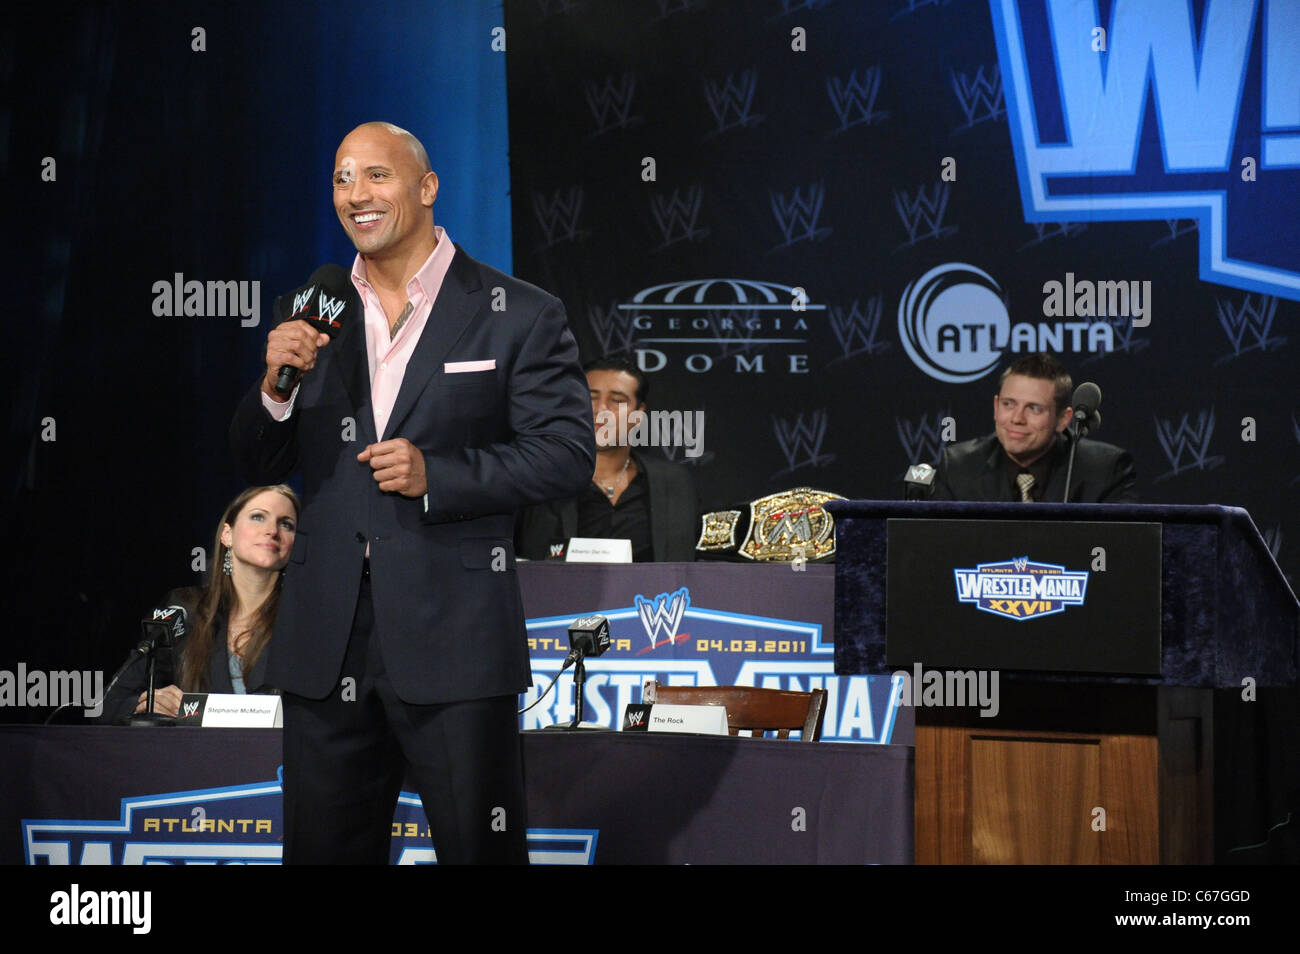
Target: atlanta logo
{"points": [[1020, 589]]}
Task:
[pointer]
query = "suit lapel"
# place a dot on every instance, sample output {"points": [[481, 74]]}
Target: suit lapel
{"points": [[453, 310], [993, 482], [661, 502], [1055, 491], [352, 365]]}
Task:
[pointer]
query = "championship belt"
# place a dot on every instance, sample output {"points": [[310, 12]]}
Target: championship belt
{"points": [[791, 526]]}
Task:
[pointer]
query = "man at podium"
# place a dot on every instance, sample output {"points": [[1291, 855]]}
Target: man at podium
{"points": [[1026, 457]]}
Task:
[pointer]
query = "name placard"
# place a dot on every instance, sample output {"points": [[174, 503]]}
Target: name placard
{"points": [[598, 550], [701, 720], [230, 710]]}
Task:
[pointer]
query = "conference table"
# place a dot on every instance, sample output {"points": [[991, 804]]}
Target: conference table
{"points": [[118, 795]]}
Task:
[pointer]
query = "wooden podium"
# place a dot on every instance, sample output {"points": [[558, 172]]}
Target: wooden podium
{"points": [[1179, 763]]}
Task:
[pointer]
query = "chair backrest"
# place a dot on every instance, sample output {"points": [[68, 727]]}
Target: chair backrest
{"points": [[762, 710]]}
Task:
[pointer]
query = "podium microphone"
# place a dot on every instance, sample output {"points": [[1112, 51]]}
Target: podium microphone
{"points": [[1086, 401], [918, 482]]}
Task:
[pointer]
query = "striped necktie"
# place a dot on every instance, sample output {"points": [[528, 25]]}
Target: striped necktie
{"points": [[1025, 482]]}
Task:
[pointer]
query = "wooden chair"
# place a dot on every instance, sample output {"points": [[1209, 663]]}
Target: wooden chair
{"points": [[762, 710]]}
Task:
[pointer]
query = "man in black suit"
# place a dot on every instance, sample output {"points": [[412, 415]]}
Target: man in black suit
{"points": [[1026, 457], [631, 496], [450, 397]]}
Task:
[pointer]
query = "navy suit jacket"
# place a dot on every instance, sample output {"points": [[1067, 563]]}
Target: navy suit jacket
{"points": [[446, 595], [974, 470]]}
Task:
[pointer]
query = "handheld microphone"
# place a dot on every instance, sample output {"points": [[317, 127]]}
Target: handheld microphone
{"points": [[320, 303]]}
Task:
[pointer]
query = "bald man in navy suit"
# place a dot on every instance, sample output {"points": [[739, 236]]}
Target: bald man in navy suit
{"points": [[399, 644]]}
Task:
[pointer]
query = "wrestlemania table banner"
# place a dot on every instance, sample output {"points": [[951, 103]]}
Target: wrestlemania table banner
{"points": [[699, 624]]}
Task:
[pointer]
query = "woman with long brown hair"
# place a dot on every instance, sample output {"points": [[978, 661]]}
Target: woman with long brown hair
{"points": [[231, 617]]}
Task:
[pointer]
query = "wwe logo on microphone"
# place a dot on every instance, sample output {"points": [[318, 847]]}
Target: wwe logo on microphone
{"points": [[1187, 440], [800, 440], [732, 100], [330, 309], [676, 215], [557, 215], [926, 208], [980, 96], [302, 299], [854, 98], [610, 102], [856, 329], [797, 214], [1253, 317]]}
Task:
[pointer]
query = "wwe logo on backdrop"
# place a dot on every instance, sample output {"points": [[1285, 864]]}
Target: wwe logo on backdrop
{"points": [[913, 5], [801, 440], [1177, 228], [797, 214], [734, 329], [1187, 445], [854, 99], [610, 102], [676, 215], [792, 6], [856, 329], [558, 215], [1051, 230], [923, 440], [668, 7], [663, 615], [732, 100], [980, 96], [613, 327], [550, 8], [922, 215], [1122, 336], [1253, 317]]}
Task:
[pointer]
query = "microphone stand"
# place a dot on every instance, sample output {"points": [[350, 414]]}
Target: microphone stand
{"points": [[1079, 428], [149, 645], [579, 687]]}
